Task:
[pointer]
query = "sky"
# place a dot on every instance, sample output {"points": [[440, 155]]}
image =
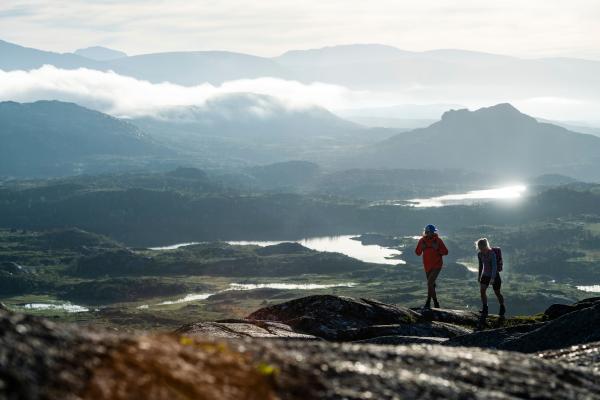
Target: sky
{"points": [[523, 28]]}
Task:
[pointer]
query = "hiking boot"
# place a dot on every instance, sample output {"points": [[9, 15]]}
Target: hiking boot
{"points": [[427, 305], [502, 310], [436, 304], [484, 311]]}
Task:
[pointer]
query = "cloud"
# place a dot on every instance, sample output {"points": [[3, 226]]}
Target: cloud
{"points": [[124, 96], [129, 97]]}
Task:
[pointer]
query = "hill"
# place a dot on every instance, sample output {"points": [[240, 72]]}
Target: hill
{"points": [[241, 128], [15, 57], [498, 138], [100, 53], [426, 74], [194, 68], [49, 138]]}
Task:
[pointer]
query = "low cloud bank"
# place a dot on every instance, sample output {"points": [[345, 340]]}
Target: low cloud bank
{"points": [[124, 96]]}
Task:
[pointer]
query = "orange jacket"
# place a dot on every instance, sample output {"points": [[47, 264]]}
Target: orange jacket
{"points": [[432, 258]]}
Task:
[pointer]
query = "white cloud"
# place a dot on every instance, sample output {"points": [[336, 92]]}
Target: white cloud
{"points": [[128, 97], [124, 96]]}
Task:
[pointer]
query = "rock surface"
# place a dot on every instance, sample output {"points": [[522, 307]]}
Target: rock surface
{"points": [[39, 359], [426, 329], [458, 317], [329, 317], [578, 327], [574, 328], [241, 329], [493, 338], [396, 340], [558, 310], [585, 355]]}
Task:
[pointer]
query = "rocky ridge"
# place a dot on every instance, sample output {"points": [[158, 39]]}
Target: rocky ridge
{"points": [[286, 351]]}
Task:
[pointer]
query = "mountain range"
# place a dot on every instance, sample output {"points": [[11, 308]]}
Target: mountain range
{"points": [[54, 138], [360, 66], [495, 139], [51, 138]]}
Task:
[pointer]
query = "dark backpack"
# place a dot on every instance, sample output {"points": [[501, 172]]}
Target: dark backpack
{"points": [[499, 262]]}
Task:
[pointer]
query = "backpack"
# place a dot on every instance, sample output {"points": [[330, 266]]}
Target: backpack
{"points": [[499, 262]]}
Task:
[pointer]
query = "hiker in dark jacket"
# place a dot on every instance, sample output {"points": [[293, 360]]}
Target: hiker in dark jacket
{"points": [[432, 248], [489, 273]]}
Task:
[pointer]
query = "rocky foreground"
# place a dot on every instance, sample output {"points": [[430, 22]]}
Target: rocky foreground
{"points": [[315, 347]]}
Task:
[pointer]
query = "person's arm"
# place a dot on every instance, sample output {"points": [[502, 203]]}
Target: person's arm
{"points": [[442, 249], [480, 259], [419, 249]]}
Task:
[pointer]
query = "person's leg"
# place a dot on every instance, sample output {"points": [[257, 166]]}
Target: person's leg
{"points": [[499, 296], [428, 302], [482, 290], [497, 286], [431, 278]]}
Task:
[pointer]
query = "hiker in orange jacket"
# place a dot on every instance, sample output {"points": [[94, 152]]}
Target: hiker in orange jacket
{"points": [[432, 248]]}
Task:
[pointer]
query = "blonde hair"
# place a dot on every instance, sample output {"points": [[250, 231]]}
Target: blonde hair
{"points": [[483, 243]]}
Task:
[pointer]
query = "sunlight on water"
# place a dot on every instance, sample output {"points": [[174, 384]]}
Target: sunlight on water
{"points": [[287, 286], [173, 246], [67, 307], [591, 288], [476, 196], [252, 286], [187, 299], [341, 244]]}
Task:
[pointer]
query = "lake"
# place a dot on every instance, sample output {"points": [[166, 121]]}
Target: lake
{"points": [[590, 288], [344, 244], [505, 193], [472, 197]]}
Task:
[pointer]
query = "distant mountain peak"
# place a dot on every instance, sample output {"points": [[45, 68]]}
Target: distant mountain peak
{"points": [[502, 107], [100, 53], [501, 110]]}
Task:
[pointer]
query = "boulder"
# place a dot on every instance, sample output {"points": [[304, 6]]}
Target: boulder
{"points": [[575, 328], [493, 338], [558, 310], [328, 316]]}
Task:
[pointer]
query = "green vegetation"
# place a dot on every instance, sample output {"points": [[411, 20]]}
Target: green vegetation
{"points": [[550, 242]]}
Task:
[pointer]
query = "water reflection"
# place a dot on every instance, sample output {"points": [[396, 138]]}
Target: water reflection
{"points": [[66, 307], [288, 286], [590, 288], [371, 253], [187, 299], [473, 197], [173, 246]]}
